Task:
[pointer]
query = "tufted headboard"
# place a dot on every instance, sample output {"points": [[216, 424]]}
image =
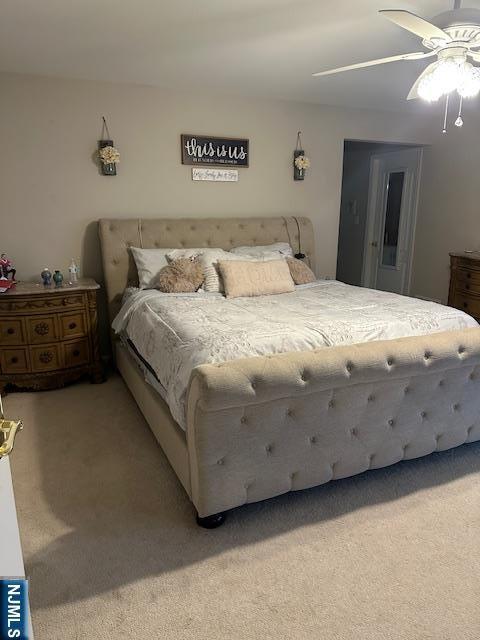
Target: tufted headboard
{"points": [[116, 236]]}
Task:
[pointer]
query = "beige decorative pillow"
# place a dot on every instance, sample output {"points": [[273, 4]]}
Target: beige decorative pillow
{"points": [[247, 278], [300, 271], [184, 275]]}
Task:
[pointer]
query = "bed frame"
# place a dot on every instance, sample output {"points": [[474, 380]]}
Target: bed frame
{"points": [[259, 427]]}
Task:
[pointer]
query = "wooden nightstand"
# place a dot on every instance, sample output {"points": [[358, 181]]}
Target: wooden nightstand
{"points": [[464, 290], [48, 335]]}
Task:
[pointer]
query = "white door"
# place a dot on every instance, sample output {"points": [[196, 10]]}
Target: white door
{"points": [[391, 217]]}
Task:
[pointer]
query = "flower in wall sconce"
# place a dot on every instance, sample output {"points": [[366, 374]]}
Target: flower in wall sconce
{"points": [[108, 155], [300, 161]]}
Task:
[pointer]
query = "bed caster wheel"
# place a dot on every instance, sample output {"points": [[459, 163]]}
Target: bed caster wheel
{"points": [[212, 522]]}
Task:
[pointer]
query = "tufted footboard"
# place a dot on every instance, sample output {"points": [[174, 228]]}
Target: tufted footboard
{"points": [[259, 427]]}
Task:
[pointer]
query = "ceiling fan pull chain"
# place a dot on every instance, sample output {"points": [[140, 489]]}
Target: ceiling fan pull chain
{"points": [[446, 114], [459, 120]]}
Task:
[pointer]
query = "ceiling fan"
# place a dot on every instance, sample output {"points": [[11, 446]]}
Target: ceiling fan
{"points": [[452, 38]]}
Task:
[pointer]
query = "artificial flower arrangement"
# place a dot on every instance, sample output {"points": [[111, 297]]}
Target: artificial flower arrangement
{"points": [[302, 162], [109, 155]]}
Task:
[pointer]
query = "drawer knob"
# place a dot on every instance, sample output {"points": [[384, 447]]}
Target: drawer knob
{"points": [[46, 357], [14, 360], [72, 325], [10, 330], [42, 328], [76, 352]]}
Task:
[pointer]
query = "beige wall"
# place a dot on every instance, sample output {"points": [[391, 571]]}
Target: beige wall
{"points": [[449, 208], [51, 192]]}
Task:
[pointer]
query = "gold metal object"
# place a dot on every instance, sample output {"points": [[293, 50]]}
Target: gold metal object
{"points": [[8, 431]]}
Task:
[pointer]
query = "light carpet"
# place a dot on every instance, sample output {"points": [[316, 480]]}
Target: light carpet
{"points": [[112, 550]]}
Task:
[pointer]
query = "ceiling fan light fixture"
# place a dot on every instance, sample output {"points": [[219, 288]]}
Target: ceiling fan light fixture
{"points": [[451, 74]]}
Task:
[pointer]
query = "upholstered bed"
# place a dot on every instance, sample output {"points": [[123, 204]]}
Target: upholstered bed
{"points": [[256, 427]]}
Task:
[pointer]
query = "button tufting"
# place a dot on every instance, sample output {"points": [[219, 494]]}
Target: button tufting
{"points": [[331, 404], [423, 414], [406, 390], [304, 377], [221, 461], [371, 398], [349, 367], [470, 429], [243, 419], [441, 383], [115, 262], [456, 406], [192, 228], [472, 376], [461, 350], [427, 355], [167, 229], [390, 362], [438, 436], [353, 431], [391, 422], [254, 385], [313, 439], [289, 412], [268, 448]]}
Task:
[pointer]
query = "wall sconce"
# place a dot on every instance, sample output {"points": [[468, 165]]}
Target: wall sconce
{"points": [[300, 161], [108, 155]]}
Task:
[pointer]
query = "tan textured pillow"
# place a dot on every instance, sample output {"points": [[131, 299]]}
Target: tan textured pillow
{"points": [[184, 275], [300, 272], [247, 278]]}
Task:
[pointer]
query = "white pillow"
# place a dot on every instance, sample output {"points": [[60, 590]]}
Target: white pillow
{"points": [[149, 262], [282, 249], [209, 259]]}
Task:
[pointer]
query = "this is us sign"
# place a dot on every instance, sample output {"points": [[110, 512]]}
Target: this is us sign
{"points": [[220, 152]]}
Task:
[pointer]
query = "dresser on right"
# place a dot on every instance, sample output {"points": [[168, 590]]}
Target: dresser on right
{"points": [[464, 290]]}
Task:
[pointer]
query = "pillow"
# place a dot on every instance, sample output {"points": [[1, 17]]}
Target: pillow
{"points": [[300, 271], [209, 260], [184, 275], [247, 278], [149, 262], [280, 248]]}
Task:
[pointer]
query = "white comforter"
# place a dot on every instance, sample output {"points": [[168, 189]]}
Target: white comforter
{"points": [[177, 332]]}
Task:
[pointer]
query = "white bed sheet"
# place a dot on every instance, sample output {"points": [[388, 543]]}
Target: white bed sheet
{"points": [[176, 332]]}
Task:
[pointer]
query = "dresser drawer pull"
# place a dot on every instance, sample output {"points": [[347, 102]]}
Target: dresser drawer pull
{"points": [[42, 328], [46, 357], [76, 352], [72, 325], [14, 360], [10, 330]]}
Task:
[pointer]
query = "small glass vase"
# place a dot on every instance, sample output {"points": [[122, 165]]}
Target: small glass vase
{"points": [[58, 278], [46, 276]]}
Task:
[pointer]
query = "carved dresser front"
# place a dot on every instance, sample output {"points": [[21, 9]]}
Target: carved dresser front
{"points": [[48, 335]]}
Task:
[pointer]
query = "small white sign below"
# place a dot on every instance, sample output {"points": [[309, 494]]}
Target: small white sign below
{"points": [[215, 175]]}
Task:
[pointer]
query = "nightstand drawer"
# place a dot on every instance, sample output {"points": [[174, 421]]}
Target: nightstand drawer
{"points": [[75, 352], [467, 303], [42, 329], [468, 281], [72, 325], [12, 331], [46, 357], [14, 360]]}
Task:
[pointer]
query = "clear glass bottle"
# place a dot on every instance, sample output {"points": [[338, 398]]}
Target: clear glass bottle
{"points": [[73, 272]]}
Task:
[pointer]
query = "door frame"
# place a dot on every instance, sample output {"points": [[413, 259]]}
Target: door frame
{"points": [[376, 198]]}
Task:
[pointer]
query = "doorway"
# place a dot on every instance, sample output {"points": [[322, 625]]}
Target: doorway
{"points": [[377, 215]]}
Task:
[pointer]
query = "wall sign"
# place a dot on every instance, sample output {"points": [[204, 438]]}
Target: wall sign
{"points": [[215, 175], [220, 152]]}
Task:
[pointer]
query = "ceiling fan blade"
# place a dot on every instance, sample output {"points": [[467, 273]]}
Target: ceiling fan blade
{"points": [[371, 63], [412, 94], [411, 22]]}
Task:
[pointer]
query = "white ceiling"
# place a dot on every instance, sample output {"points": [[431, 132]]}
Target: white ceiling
{"points": [[257, 47]]}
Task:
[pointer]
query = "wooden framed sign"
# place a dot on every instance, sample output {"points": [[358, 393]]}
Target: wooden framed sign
{"points": [[217, 152]]}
